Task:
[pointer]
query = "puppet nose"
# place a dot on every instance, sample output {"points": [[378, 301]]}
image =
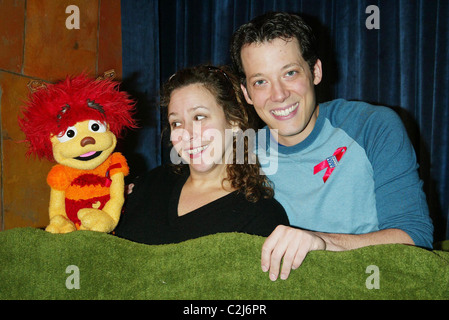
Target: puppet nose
{"points": [[87, 140]]}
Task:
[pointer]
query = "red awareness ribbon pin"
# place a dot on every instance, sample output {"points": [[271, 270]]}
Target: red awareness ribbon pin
{"points": [[330, 163]]}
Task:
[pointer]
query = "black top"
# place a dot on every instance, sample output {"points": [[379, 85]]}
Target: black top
{"points": [[151, 212]]}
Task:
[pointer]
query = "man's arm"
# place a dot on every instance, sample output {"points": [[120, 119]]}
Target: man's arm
{"points": [[291, 245], [342, 242]]}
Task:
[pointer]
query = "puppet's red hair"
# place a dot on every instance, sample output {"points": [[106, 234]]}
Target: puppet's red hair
{"points": [[51, 110]]}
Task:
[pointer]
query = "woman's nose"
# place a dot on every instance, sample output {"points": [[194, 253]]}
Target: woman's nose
{"points": [[186, 135], [192, 132]]}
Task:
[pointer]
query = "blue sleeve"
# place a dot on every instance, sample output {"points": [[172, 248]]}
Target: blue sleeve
{"points": [[400, 199]]}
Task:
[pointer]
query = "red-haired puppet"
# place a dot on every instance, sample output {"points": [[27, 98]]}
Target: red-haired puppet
{"points": [[76, 122]]}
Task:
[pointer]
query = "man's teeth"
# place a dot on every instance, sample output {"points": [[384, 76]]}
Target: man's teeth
{"points": [[285, 112], [197, 150]]}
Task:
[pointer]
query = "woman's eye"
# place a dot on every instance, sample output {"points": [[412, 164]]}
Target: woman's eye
{"points": [[97, 126], [175, 124], [69, 134], [199, 117]]}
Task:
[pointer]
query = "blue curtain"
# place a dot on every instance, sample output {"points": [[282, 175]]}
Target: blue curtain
{"points": [[404, 64], [141, 78]]}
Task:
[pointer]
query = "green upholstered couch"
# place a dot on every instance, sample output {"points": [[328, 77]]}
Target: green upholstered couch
{"points": [[35, 264]]}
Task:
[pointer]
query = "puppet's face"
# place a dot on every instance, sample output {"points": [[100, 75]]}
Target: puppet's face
{"points": [[85, 145]]}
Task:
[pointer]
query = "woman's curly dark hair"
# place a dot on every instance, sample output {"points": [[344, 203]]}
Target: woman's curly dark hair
{"points": [[243, 173]]}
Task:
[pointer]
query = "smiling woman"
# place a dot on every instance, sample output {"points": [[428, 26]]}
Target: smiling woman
{"points": [[211, 109], [208, 191]]}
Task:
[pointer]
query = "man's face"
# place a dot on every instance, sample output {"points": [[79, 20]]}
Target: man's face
{"points": [[280, 86]]}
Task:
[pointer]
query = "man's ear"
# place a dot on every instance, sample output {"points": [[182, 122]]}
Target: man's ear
{"points": [[246, 95], [317, 72]]}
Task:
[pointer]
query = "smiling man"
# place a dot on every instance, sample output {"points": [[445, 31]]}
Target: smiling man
{"points": [[347, 172], [280, 86]]}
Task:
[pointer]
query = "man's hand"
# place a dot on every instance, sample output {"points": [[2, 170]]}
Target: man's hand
{"points": [[291, 245]]}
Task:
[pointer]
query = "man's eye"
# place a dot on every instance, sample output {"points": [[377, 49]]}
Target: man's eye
{"points": [[69, 134], [291, 73], [97, 126]]}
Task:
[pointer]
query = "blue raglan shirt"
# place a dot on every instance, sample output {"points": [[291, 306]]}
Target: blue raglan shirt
{"points": [[374, 186]]}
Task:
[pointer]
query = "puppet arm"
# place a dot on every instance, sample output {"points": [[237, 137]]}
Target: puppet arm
{"points": [[107, 219], [59, 223]]}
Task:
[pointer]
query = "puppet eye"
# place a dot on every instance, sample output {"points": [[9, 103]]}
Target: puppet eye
{"points": [[97, 126], [69, 134]]}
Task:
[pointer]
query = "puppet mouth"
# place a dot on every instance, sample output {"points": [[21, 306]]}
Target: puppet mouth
{"points": [[89, 156]]}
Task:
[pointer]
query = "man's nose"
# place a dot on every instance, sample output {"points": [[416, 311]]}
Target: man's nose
{"points": [[278, 92]]}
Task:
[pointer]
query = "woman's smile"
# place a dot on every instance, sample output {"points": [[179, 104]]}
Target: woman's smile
{"points": [[196, 152]]}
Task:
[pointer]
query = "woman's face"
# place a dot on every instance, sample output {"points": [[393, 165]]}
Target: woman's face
{"points": [[200, 133]]}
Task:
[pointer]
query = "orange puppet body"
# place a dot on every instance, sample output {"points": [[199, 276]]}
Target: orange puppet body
{"points": [[86, 188]]}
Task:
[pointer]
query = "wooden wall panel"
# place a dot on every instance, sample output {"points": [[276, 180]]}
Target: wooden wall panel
{"points": [[25, 191], [51, 50], [12, 18]]}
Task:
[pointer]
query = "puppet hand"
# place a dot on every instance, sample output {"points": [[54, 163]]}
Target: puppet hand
{"points": [[96, 220], [60, 224]]}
